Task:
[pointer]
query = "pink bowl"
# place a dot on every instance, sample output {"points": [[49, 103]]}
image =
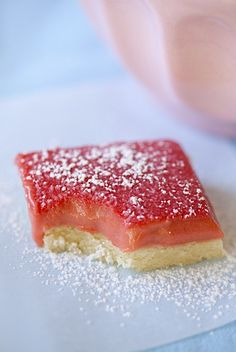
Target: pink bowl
{"points": [[184, 51]]}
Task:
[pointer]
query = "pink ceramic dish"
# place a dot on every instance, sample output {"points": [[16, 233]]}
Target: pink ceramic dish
{"points": [[184, 51]]}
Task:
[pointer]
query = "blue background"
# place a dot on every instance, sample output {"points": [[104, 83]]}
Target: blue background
{"points": [[45, 44], [50, 43]]}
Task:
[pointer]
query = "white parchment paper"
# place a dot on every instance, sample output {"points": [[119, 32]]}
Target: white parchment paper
{"points": [[51, 304]]}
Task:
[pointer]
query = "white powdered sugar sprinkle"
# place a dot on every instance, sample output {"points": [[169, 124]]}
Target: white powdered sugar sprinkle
{"points": [[195, 289]]}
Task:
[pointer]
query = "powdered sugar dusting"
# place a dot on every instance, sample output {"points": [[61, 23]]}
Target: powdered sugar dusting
{"points": [[195, 290], [140, 181]]}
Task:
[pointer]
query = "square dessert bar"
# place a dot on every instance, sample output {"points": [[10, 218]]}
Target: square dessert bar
{"points": [[139, 204]]}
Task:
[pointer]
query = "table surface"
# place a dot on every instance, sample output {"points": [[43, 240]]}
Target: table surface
{"points": [[51, 44]]}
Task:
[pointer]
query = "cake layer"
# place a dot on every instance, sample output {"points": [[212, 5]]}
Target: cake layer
{"points": [[60, 239]]}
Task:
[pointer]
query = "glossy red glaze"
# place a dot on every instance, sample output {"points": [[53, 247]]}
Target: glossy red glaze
{"points": [[137, 194]]}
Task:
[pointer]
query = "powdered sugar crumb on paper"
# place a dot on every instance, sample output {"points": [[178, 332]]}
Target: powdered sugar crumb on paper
{"points": [[195, 290]]}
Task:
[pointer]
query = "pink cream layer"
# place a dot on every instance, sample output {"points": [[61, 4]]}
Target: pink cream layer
{"points": [[137, 194]]}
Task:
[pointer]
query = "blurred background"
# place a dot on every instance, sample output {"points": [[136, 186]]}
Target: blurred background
{"points": [[46, 44], [51, 44]]}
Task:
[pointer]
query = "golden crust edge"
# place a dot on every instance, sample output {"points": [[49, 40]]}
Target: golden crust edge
{"points": [[71, 239]]}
